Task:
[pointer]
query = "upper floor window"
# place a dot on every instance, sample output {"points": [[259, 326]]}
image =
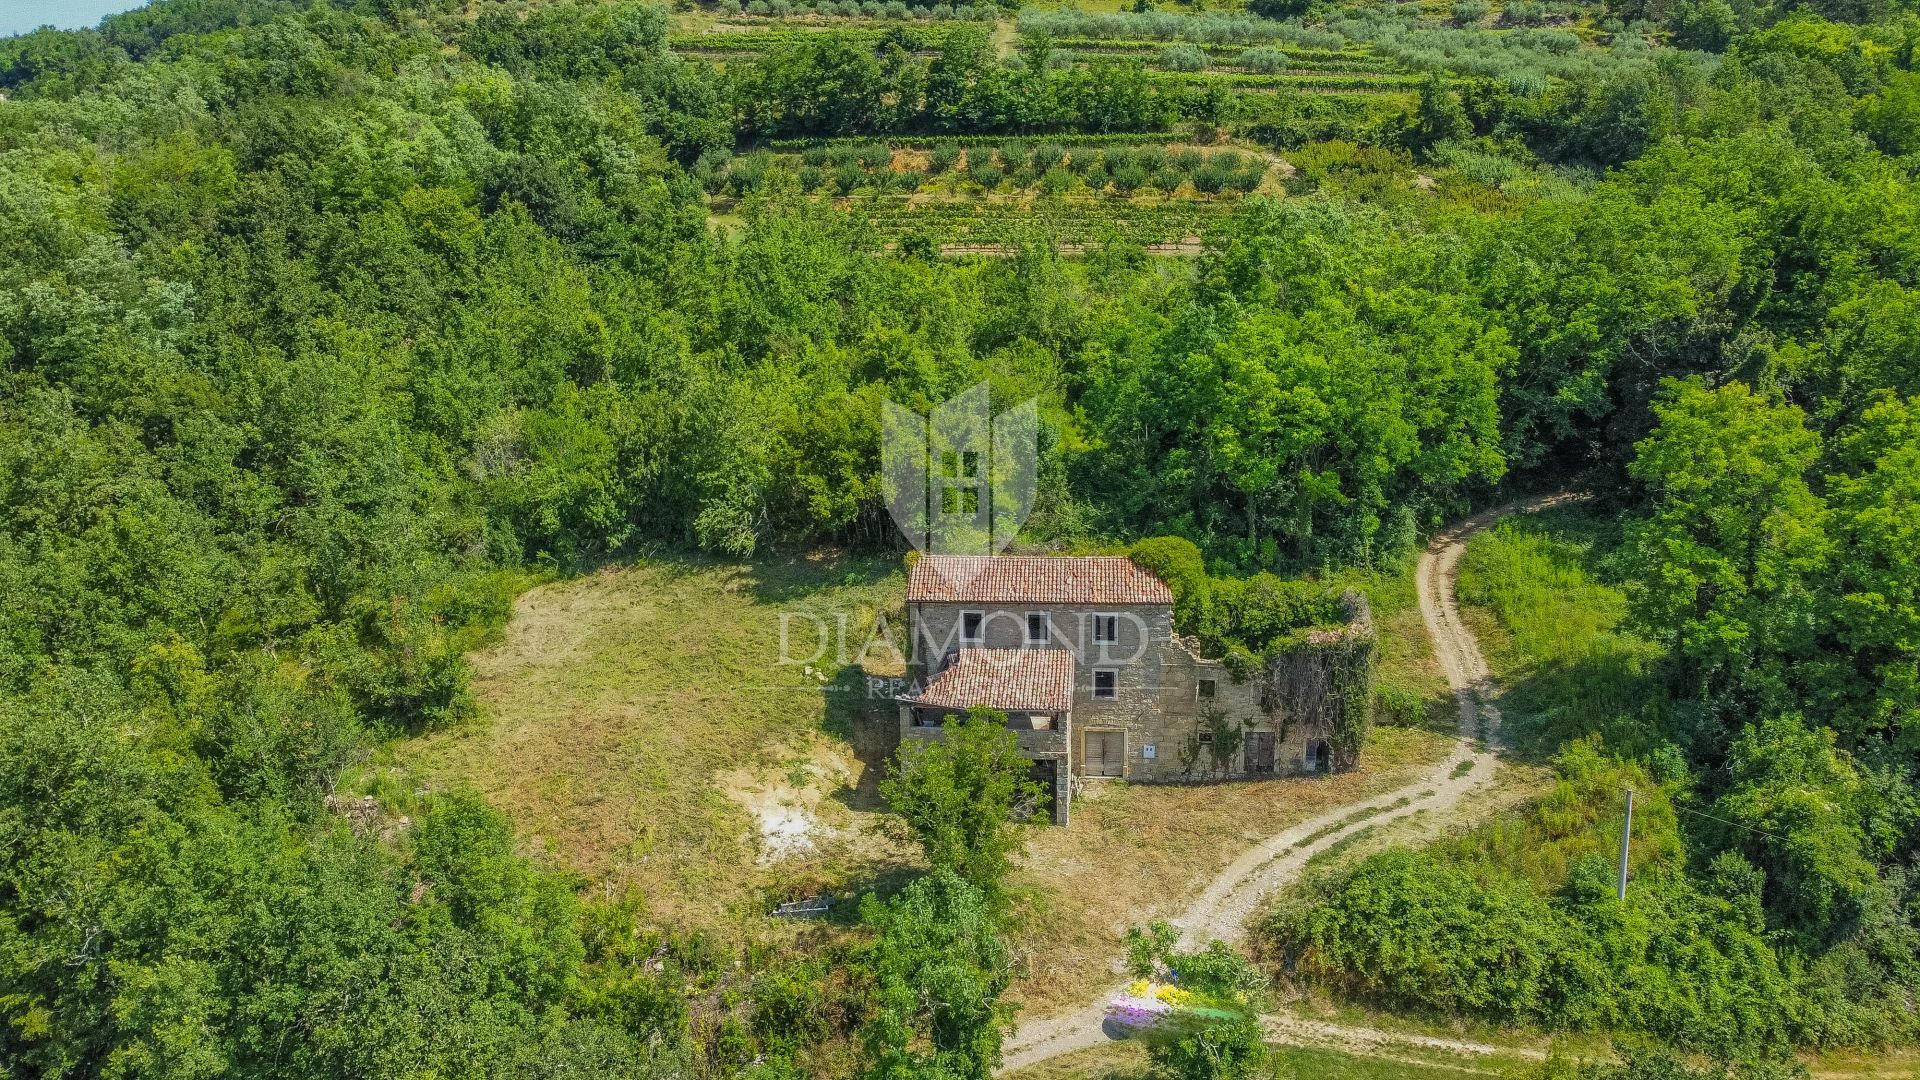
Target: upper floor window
{"points": [[1038, 631], [1206, 689], [1106, 629], [973, 627], [1106, 683]]}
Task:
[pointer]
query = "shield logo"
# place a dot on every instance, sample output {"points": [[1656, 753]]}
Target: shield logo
{"points": [[961, 480]]}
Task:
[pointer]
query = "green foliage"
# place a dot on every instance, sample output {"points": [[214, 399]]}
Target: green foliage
{"points": [[1569, 667], [1642, 1063], [959, 792], [938, 968], [1798, 812], [1149, 947], [1438, 118], [1177, 562], [1226, 1050], [1263, 60], [1183, 57], [1254, 613], [1461, 931], [1726, 564], [327, 327]]}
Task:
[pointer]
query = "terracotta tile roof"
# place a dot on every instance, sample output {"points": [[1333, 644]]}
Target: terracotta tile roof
{"points": [[1038, 680], [1034, 579]]}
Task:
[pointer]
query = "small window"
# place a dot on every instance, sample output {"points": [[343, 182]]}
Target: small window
{"points": [[1206, 689], [1106, 683], [1106, 629], [1038, 632], [970, 626], [1206, 738]]}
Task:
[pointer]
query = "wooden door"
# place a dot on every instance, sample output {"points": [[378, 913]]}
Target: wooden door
{"points": [[1260, 752], [1105, 753]]}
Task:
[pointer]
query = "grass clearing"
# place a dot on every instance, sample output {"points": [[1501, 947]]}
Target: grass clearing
{"points": [[640, 730], [1548, 617]]}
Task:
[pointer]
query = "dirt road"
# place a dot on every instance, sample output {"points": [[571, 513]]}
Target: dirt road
{"points": [[1221, 910]]}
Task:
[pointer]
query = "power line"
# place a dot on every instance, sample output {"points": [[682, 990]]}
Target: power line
{"points": [[1735, 824], [1721, 820]]}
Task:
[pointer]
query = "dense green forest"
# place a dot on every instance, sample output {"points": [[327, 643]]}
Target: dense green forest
{"points": [[326, 328]]}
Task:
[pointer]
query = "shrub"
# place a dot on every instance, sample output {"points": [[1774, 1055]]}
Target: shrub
{"points": [[1263, 60], [1168, 178], [811, 177], [1210, 179], [1129, 178], [961, 796], [1056, 181], [1220, 1050], [874, 155], [1047, 155], [1469, 12], [1012, 155], [1177, 561], [1183, 57], [1523, 13], [943, 157], [1256, 611], [847, 177], [1399, 706], [816, 156]]}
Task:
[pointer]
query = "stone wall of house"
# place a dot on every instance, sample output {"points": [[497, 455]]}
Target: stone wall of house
{"points": [[1142, 627], [1159, 704], [1301, 699]]}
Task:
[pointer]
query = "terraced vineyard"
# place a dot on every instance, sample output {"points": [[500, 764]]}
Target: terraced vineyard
{"points": [[1068, 222], [767, 34]]}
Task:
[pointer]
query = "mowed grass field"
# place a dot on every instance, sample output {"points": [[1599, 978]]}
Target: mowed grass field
{"points": [[640, 728]]}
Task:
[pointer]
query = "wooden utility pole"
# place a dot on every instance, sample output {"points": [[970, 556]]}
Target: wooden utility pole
{"points": [[1626, 844]]}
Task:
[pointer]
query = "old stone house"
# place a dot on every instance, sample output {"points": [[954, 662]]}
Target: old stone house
{"points": [[1081, 654]]}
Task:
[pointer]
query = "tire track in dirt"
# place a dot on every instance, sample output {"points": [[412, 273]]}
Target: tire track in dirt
{"points": [[1221, 910]]}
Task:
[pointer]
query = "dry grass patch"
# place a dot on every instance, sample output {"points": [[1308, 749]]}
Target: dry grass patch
{"points": [[640, 729], [1137, 852]]}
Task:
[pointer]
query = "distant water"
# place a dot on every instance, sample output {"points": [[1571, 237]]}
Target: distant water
{"points": [[20, 16]]}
